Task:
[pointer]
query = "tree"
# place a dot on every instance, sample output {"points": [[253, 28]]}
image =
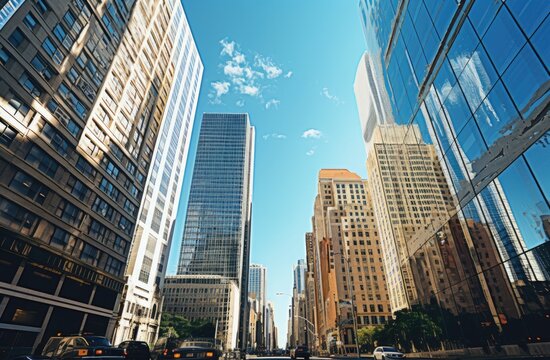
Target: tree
{"points": [[180, 327], [366, 335]]}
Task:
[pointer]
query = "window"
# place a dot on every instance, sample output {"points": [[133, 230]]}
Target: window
{"points": [[4, 55], [42, 67], [62, 240], [113, 266], [44, 162], [61, 35], [30, 21], [76, 104], [57, 141], [29, 187], [110, 167], [101, 207], [7, 133], [42, 7], [19, 108], [78, 189], [86, 168], [52, 50], [16, 216], [69, 213], [125, 225], [108, 188], [89, 254], [64, 118], [30, 85], [16, 38]]}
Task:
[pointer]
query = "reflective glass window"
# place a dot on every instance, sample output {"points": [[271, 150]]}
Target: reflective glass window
{"points": [[482, 14], [495, 113], [441, 13], [463, 47], [472, 146], [525, 201], [457, 109], [540, 41], [524, 79], [503, 40], [529, 13], [537, 157]]}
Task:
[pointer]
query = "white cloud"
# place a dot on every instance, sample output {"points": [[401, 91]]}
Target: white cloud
{"points": [[272, 71], [251, 90], [221, 88], [245, 73], [272, 103], [232, 70], [274, 136], [329, 96], [227, 47], [239, 58], [312, 133], [310, 152]]}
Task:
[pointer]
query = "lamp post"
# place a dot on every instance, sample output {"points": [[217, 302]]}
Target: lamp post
{"points": [[303, 318], [354, 317]]}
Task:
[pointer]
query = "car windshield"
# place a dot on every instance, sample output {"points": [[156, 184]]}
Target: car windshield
{"points": [[391, 349], [97, 341]]}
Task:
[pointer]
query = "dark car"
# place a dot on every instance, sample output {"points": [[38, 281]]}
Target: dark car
{"points": [[299, 352], [135, 350], [81, 347], [163, 348], [199, 349]]}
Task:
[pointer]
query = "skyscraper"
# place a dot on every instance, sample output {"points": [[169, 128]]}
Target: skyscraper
{"points": [[351, 289], [216, 237], [371, 96], [84, 89], [140, 316], [300, 276], [482, 105], [257, 289]]}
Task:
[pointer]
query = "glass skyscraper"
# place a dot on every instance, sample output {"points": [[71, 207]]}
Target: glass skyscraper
{"points": [[471, 79], [84, 90], [216, 238]]}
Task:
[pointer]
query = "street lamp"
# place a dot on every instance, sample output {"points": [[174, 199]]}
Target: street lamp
{"points": [[347, 261], [303, 318]]}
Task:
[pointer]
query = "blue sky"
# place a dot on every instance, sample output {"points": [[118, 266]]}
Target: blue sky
{"points": [[289, 64]]}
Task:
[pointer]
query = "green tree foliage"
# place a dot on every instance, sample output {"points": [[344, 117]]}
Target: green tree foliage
{"points": [[410, 330], [180, 327]]}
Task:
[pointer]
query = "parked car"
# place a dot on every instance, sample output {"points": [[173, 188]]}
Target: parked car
{"points": [[387, 353], [197, 349], [163, 348], [81, 347], [135, 350], [299, 352]]}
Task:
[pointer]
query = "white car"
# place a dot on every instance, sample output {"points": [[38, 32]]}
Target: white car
{"points": [[387, 353]]}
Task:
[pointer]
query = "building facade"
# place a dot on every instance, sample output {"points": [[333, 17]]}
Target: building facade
{"points": [[271, 329], [257, 289], [216, 237], [477, 106], [140, 312], [84, 89], [300, 276], [205, 297], [352, 288]]}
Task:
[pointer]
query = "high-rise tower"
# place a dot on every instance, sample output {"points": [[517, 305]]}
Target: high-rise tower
{"points": [[84, 88], [216, 237]]}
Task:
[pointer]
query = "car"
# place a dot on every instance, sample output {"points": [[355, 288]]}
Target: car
{"points": [[163, 348], [135, 350], [299, 352], [81, 347], [197, 350], [387, 353]]}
